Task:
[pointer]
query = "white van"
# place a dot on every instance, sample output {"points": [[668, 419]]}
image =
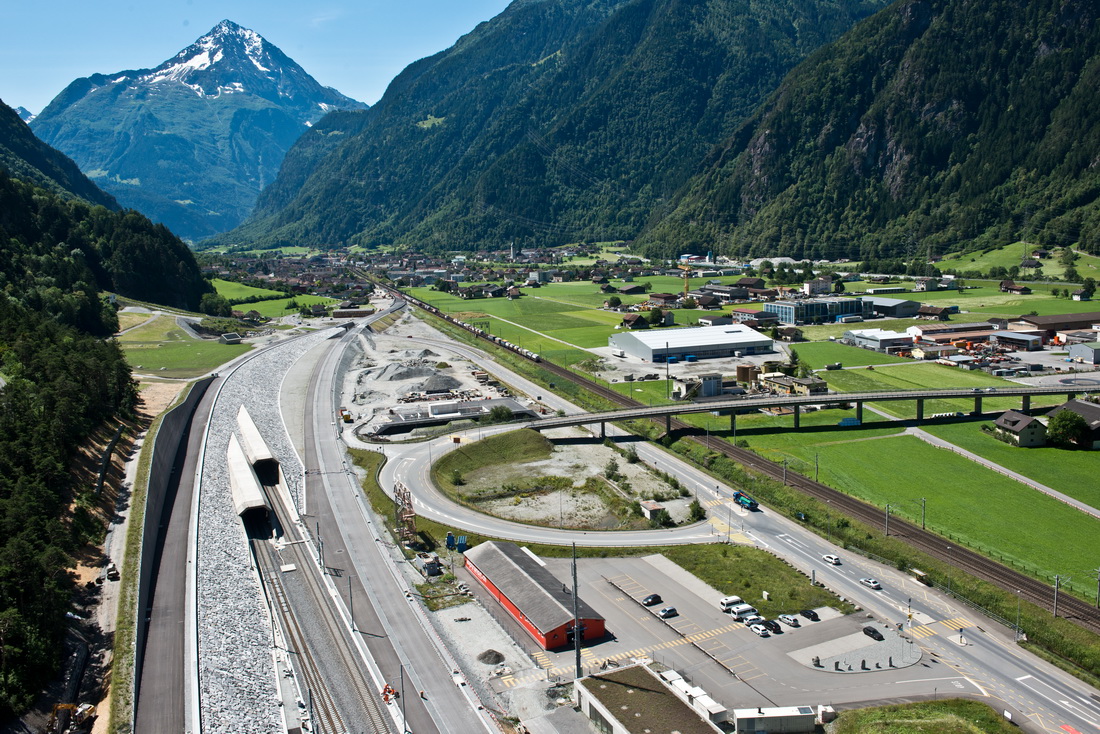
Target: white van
{"points": [[742, 610], [729, 602]]}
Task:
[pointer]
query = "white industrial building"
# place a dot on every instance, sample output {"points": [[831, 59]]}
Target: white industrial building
{"points": [[705, 342]]}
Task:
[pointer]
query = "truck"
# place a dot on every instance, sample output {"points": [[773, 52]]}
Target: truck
{"points": [[745, 501]]}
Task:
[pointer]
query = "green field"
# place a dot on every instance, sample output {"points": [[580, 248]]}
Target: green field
{"points": [[819, 354], [952, 716], [1066, 470], [981, 508], [234, 291], [163, 348], [276, 308], [922, 376], [824, 331], [1087, 265]]}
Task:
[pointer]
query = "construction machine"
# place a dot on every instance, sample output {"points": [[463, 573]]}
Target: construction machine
{"points": [[70, 718]]}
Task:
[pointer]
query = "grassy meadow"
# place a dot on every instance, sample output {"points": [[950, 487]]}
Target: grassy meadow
{"points": [[163, 348]]}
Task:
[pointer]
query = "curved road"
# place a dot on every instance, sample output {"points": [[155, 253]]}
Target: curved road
{"points": [[996, 670]]}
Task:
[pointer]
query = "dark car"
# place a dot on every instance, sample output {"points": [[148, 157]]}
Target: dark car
{"points": [[652, 600], [772, 626], [810, 614], [873, 633]]}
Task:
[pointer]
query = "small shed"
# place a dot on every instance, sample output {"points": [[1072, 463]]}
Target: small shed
{"points": [[1087, 353], [230, 338]]}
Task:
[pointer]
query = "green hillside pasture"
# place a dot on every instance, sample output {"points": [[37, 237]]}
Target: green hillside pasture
{"points": [[163, 348], [234, 291], [278, 307], [967, 502], [1005, 257], [819, 354], [924, 376], [1066, 470]]}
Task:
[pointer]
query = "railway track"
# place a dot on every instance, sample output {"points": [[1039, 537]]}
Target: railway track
{"points": [[1037, 592], [325, 708]]}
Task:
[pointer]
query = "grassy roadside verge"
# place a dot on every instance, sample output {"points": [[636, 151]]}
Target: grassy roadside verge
{"points": [[1059, 637], [1068, 645], [741, 570], [950, 716], [123, 662]]}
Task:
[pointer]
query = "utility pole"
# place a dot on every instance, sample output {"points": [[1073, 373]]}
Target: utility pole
{"points": [[729, 524], [1096, 573], [815, 466], [887, 521], [577, 633], [923, 507], [1058, 579]]}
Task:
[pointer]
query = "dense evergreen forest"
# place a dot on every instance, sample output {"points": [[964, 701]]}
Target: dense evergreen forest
{"points": [[934, 125], [556, 121], [60, 380], [60, 384]]}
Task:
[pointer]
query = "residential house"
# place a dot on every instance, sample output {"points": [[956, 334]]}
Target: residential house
{"points": [[780, 383], [632, 290], [750, 283], [664, 300], [932, 313], [1022, 430]]}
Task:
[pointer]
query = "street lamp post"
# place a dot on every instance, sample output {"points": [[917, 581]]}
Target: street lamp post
{"points": [[1017, 636]]}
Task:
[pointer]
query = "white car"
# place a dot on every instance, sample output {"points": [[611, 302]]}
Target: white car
{"points": [[870, 583], [831, 559], [760, 630]]}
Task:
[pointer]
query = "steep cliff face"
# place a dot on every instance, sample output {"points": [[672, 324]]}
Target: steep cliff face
{"points": [[191, 142]]}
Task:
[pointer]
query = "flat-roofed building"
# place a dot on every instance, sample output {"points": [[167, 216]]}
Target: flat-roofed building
{"points": [[880, 340], [818, 310], [700, 342]]}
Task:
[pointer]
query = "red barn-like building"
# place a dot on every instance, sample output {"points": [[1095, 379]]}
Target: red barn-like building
{"points": [[531, 594]]}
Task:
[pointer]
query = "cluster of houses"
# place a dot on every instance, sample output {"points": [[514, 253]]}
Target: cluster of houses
{"points": [[1031, 431]]}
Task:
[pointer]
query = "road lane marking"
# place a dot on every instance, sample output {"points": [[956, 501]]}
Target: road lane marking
{"points": [[929, 680]]}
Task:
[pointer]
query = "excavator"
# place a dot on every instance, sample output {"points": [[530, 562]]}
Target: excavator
{"points": [[70, 718]]}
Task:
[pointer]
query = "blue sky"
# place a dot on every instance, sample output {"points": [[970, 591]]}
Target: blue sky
{"points": [[356, 47]]}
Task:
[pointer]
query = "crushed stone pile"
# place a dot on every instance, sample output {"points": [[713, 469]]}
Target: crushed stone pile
{"points": [[491, 657], [438, 383], [404, 371]]}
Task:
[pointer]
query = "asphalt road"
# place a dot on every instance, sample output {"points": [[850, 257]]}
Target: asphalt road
{"points": [[984, 660], [389, 623]]}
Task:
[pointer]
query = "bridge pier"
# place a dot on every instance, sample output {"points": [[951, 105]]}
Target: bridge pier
{"points": [[977, 406], [797, 415], [920, 409], [859, 411], [668, 423], [603, 429], [733, 423], [1025, 403]]}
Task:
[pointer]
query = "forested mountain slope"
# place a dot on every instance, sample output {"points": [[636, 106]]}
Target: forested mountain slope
{"points": [[558, 120], [933, 125], [191, 142], [26, 157]]}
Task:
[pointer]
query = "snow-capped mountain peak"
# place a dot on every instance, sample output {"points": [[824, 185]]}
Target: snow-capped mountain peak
{"points": [[24, 114]]}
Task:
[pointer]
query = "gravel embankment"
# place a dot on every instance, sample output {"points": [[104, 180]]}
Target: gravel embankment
{"points": [[237, 683]]}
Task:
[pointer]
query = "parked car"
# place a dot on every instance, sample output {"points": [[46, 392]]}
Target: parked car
{"points": [[760, 630], [789, 620], [810, 614], [754, 619], [873, 633], [831, 559], [652, 600], [870, 583], [667, 612], [772, 626]]}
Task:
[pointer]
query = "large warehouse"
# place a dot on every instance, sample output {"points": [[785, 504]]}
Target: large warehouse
{"points": [[531, 594], [689, 344]]}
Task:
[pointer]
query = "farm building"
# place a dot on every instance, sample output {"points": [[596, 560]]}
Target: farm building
{"points": [[532, 595], [697, 343], [1091, 413], [1056, 322], [1021, 429]]}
